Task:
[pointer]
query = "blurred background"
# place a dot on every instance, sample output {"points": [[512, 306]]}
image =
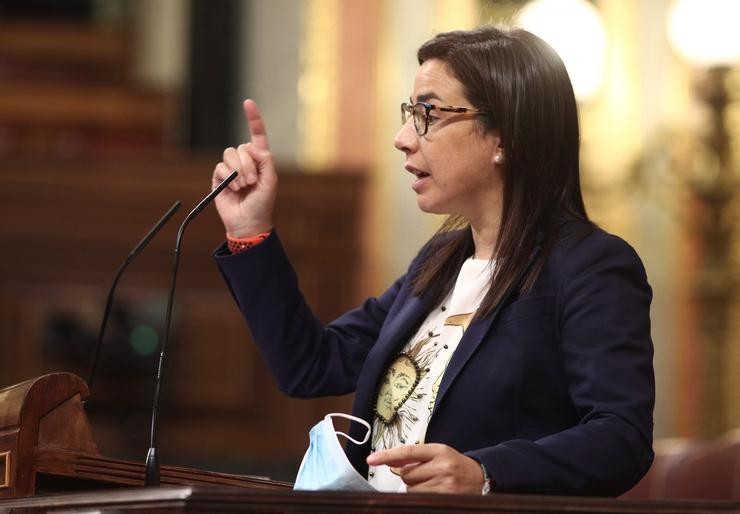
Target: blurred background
{"points": [[112, 109]]}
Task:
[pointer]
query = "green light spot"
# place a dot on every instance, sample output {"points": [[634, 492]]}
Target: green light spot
{"points": [[144, 340]]}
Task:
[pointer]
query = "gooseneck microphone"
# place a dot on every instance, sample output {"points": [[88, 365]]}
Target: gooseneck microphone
{"points": [[152, 458], [106, 313]]}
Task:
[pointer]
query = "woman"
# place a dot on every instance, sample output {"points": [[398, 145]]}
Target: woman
{"points": [[516, 350]]}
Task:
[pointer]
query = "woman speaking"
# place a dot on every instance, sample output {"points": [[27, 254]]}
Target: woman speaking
{"points": [[515, 353]]}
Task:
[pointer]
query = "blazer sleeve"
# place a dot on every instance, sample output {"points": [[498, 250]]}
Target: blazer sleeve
{"points": [[603, 312], [307, 358]]}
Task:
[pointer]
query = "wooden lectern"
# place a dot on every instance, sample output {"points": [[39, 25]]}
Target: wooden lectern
{"points": [[49, 462], [47, 445]]}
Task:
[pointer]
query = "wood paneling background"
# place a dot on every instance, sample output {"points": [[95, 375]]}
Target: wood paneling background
{"points": [[88, 162], [66, 226]]}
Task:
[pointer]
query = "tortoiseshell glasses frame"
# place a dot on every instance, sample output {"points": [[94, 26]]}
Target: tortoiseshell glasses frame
{"points": [[420, 112]]}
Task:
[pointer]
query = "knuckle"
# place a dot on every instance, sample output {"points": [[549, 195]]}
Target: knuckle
{"points": [[448, 468], [219, 169]]}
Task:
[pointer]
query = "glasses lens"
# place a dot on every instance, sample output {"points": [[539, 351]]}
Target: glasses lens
{"points": [[405, 112], [420, 118]]}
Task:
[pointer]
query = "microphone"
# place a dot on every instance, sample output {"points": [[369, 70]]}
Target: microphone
{"points": [[106, 313], [152, 457]]}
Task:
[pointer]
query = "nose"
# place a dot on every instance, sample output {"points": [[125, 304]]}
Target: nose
{"points": [[406, 139]]}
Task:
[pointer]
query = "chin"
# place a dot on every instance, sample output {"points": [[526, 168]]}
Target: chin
{"points": [[429, 207], [425, 207]]}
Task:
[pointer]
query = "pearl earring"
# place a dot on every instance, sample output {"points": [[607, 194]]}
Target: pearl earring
{"points": [[498, 158]]}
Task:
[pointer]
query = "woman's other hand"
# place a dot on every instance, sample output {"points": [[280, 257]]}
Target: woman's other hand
{"points": [[435, 468], [246, 205]]}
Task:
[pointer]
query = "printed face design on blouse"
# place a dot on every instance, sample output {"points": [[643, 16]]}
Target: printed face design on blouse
{"points": [[399, 382]]}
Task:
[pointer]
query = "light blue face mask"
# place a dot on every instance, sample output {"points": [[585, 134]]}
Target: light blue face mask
{"points": [[325, 467]]}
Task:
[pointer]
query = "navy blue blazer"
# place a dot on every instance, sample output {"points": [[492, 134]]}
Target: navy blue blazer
{"points": [[554, 392]]}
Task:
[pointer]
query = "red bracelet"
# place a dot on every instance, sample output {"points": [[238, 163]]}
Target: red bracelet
{"points": [[239, 244]]}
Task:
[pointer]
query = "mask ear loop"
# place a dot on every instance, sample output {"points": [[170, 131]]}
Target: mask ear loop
{"points": [[352, 418]]}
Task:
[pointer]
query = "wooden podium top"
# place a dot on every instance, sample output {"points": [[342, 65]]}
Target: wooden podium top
{"points": [[47, 446], [215, 500], [47, 451]]}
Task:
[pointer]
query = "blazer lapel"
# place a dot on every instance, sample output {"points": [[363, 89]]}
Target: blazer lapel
{"points": [[474, 335], [466, 348]]}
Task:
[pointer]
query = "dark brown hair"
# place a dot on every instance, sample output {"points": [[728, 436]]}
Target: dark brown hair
{"points": [[520, 80]]}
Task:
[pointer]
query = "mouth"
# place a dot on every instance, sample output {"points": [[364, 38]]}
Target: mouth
{"points": [[419, 184], [419, 174]]}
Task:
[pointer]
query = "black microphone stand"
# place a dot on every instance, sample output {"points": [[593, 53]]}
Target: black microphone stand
{"points": [[152, 457]]}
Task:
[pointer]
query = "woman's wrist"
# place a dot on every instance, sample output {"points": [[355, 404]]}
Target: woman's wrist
{"points": [[248, 230]]}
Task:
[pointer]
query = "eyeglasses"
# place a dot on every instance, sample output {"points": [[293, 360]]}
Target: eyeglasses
{"points": [[420, 112]]}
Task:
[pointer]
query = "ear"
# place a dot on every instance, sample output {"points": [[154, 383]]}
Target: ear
{"points": [[498, 150], [498, 156]]}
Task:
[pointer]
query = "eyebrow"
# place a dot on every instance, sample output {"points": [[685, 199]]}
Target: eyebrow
{"points": [[425, 97]]}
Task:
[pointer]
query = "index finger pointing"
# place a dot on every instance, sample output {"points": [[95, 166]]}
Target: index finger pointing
{"points": [[256, 125], [400, 456]]}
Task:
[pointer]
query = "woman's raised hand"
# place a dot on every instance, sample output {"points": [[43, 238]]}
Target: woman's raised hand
{"points": [[246, 205]]}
